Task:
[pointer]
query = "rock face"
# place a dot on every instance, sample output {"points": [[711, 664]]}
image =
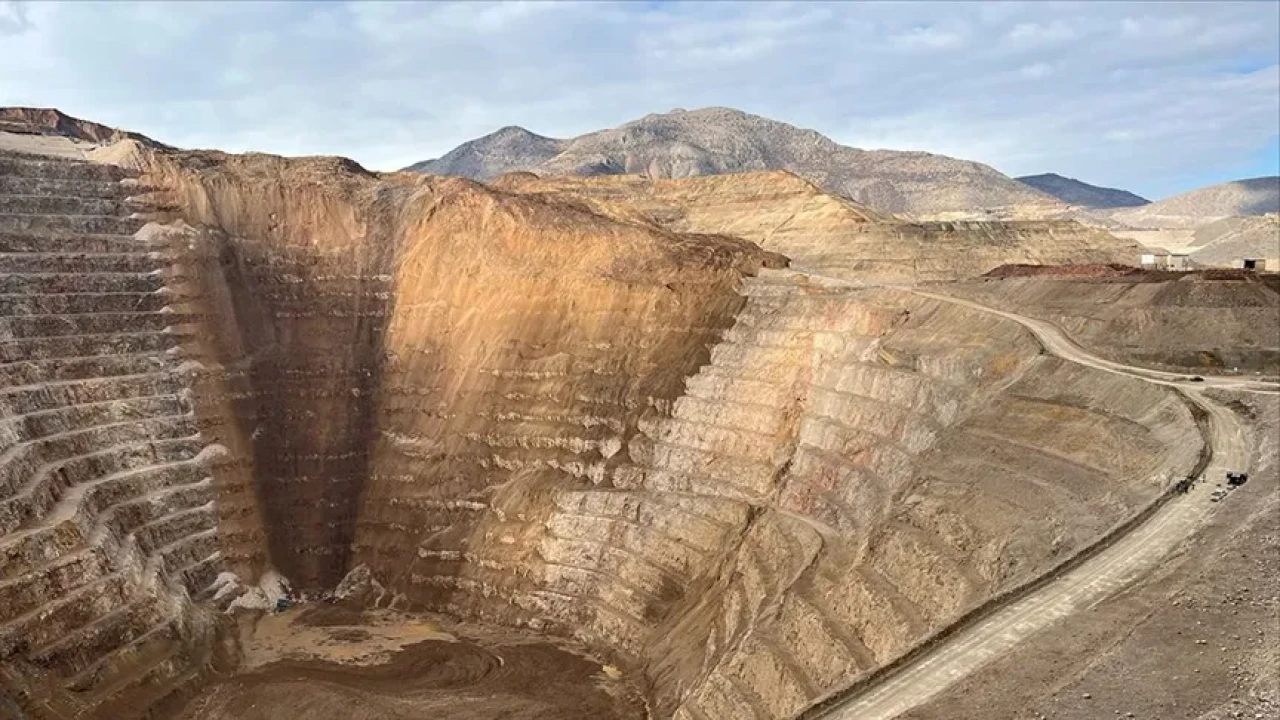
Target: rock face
{"points": [[47, 121], [375, 301], [883, 485], [1257, 196], [1082, 194], [577, 408], [715, 141]]}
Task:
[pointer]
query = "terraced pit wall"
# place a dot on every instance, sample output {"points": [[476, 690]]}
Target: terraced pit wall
{"points": [[852, 471], [109, 471], [426, 359], [746, 485]]}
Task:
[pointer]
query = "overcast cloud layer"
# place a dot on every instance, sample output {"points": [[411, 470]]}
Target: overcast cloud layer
{"points": [[1150, 97]]}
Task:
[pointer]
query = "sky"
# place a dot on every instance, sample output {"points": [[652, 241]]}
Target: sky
{"points": [[1156, 98]]}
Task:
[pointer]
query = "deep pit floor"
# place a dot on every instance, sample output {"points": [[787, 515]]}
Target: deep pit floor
{"points": [[326, 662]]}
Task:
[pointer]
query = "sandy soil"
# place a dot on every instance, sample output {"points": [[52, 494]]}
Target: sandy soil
{"points": [[322, 662], [329, 634]]}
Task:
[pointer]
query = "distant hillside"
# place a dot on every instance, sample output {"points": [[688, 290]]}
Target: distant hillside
{"points": [[715, 141], [825, 232], [1256, 196], [1082, 194], [492, 155], [1224, 242]]}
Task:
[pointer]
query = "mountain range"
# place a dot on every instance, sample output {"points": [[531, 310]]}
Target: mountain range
{"points": [[919, 185], [716, 140]]}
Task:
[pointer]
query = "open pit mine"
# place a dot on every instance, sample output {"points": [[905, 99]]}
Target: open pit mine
{"points": [[288, 438]]}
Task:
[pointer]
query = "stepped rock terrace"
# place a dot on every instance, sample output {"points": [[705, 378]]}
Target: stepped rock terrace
{"points": [[532, 451]]}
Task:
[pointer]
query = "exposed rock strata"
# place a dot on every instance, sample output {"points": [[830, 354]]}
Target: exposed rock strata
{"points": [[108, 473], [418, 325], [844, 488], [562, 410], [48, 121]]}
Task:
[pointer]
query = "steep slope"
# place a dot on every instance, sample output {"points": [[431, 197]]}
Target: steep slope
{"points": [[1256, 196], [823, 231], [715, 141], [580, 407], [345, 332], [419, 317], [882, 483], [111, 463], [1116, 659], [1082, 194]]}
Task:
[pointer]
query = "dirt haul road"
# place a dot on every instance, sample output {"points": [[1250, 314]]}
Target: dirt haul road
{"points": [[1125, 559], [1056, 342]]}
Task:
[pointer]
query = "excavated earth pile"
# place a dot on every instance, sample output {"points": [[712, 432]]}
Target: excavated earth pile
{"points": [[545, 451]]}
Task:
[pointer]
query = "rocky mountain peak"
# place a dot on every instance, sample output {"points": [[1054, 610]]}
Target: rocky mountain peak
{"points": [[720, 140]]}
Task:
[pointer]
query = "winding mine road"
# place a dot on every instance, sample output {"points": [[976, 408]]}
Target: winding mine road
{"points": [[1055, 341], [1125, 559]]}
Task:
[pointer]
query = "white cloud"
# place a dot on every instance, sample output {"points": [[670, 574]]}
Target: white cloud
{"points": [[1159, 26], [13, 18], [1120, 135], [1036, 70], [1138, 95], [929, 38], [1033, 34]]}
